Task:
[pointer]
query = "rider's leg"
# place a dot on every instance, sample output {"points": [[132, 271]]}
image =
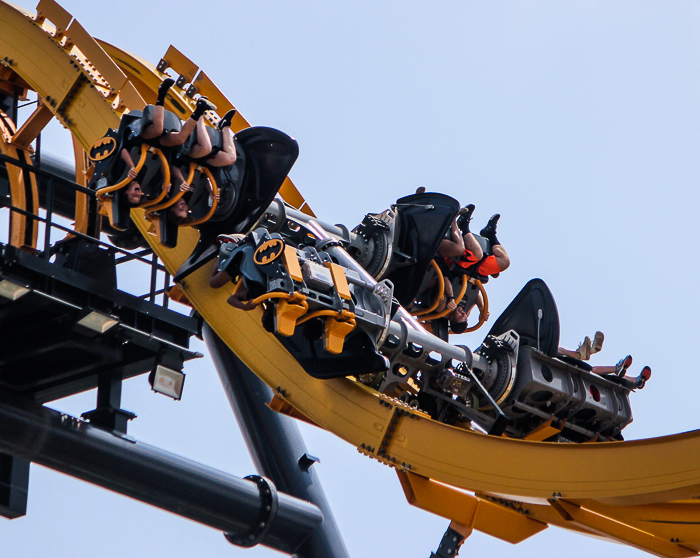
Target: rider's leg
{"points": [[228, 156], [471, 244], [155, 128], [179, 138], [203, 146], [502, 258]]}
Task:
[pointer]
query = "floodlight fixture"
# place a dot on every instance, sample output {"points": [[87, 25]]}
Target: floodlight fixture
{"points": [[12, 291], [99, 323], [167, 381]]}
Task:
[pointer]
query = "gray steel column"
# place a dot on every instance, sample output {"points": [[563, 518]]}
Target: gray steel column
{"points": [[248, 512], [275, 444]]}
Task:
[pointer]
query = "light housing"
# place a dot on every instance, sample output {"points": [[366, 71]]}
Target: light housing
{"points": [[99, 323], [12, 291], [167, 381]]}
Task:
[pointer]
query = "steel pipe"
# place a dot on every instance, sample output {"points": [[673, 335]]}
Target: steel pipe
{"points": [[244, 510], [275, 444]]}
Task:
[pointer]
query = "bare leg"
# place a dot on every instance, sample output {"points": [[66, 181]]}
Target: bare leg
{"points": [[241, 301], [155, 128], [471, 244], [228, 156], [619, 370], [502, 258], [454, 247], [203, 146], [574, 354], [178, 138]]}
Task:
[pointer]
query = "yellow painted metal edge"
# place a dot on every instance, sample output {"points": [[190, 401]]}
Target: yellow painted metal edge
{"points": [[620, 532], [510, 467], [467, 510]]}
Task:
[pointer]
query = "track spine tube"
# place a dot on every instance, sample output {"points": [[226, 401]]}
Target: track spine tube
{"points": [[275, 444], [164, 480]]}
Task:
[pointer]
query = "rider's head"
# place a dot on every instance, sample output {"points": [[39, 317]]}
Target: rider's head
{"points": [[458, 319], [133, 193], [179, 212]]}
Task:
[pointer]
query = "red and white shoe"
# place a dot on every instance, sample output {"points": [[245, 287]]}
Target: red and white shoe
{"points": [[622, 366], [643, 377], [224, 238]]}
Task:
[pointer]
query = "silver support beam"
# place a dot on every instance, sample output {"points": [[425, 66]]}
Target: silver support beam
{"points": [[404, 326]]}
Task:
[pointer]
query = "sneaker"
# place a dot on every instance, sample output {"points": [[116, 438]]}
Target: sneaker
{"points": [[165, 85], [490, 227], [622, 366], [643, 377], [584, 349], [597, 345], [464, 217], [226, 120], [467, 211], [203, 105], [224, 238]]}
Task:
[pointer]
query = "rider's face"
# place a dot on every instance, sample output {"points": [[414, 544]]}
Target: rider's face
{"points": [[458, 315], [134, 193], [180, 209]]}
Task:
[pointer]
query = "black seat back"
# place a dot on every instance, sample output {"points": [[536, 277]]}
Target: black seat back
{"points": [[423, 220], [268, 156], [522, 316]]}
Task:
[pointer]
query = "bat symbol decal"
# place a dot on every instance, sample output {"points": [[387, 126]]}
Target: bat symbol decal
{"points": [[269, 251], [102, 149]]}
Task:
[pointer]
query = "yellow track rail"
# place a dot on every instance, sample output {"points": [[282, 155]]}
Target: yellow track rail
{"points": [[640, 493]]}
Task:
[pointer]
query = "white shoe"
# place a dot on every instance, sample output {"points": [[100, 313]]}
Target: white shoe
{"points": [[584, 349]]}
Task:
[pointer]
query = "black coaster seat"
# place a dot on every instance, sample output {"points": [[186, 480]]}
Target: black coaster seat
{"points": [[523, 315], [207, 182], [422, 221], [265, 157], [151, 160]]}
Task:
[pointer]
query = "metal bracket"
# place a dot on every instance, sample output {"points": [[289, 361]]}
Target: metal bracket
{"points": [[449, 545], [270, 505]]}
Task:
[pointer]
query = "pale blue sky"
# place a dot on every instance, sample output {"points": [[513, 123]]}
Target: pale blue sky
{"points": [[577, 121]]}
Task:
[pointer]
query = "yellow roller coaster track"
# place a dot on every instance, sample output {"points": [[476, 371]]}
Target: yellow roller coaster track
{"points": [[519, 486]]}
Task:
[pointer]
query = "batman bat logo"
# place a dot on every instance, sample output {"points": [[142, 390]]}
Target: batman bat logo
{"points": [[102, 149], [268, 251]]}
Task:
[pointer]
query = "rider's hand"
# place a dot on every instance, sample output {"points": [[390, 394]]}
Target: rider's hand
{"points": [[132, 173], [451, 304], [184, 187]]}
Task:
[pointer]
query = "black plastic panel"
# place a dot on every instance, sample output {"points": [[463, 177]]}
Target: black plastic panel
{"points": [[521, 315], [423, 220]]}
